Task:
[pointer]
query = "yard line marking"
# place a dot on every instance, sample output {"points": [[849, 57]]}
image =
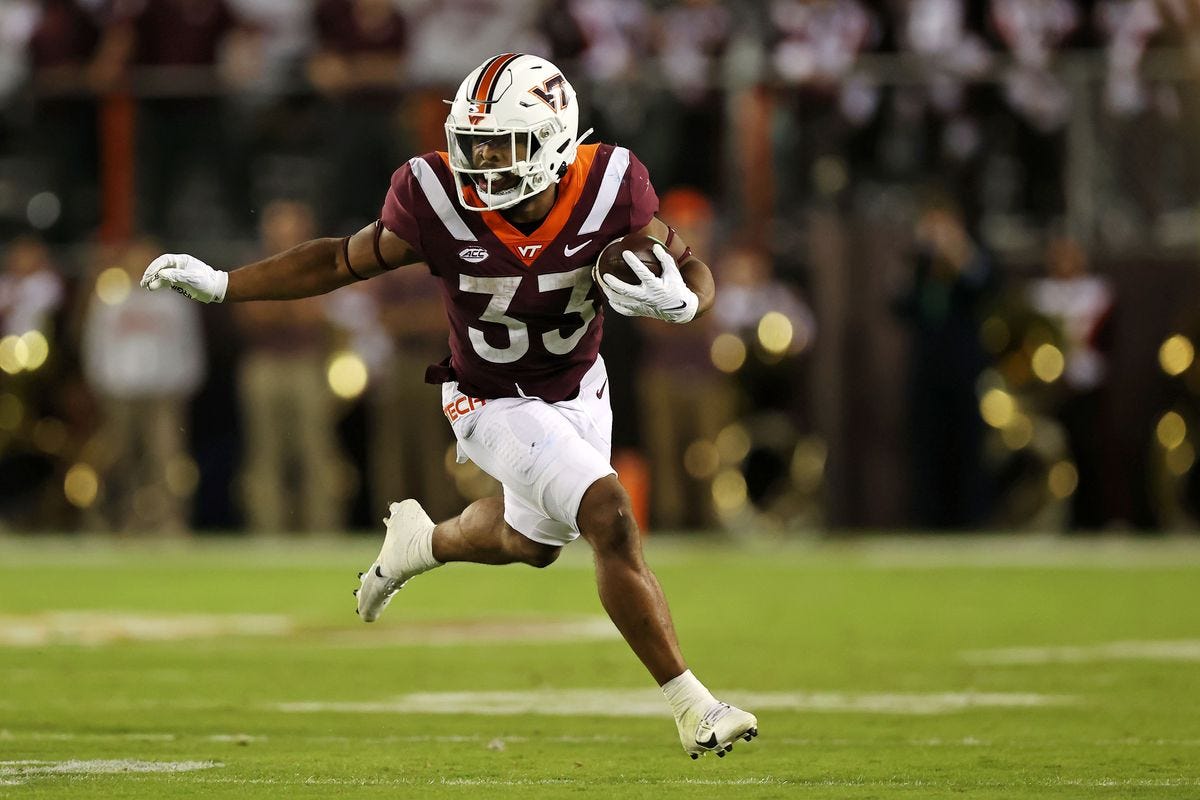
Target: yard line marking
{"points": [[247, 738], [649, 703], [95, 628], [64, 736], [1171, 650], [448, 633], [16, 773]]}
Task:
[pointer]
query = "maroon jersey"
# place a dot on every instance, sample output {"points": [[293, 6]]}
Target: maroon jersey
{"points": [[525, 317]]}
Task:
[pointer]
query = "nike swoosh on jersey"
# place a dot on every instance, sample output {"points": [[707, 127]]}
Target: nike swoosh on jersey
{"points": [[569, 251]]}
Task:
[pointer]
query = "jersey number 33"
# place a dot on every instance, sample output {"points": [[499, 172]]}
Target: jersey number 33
{"points": [[502, 291]]}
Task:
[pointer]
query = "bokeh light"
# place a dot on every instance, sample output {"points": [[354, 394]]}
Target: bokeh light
{"points": [[1176, 354], [775, 333], [81, 485], [37, 349], [1171, 430], [997, 408], [1018, 433], [733, 443], [728, 353], [1181, 459], [347, 375], [1063, 479], [808, 464], [113, 286], [1047, 363], [729, 490], [14, 352], [43, 210]]}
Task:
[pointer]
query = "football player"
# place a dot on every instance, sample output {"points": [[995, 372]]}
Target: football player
{"points": [[510, 221]]}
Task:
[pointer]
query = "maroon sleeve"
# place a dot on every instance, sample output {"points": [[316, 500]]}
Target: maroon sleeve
{"points": [[643, 200], [398, 207]]}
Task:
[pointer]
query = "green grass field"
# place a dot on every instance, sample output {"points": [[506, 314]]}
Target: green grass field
{"points": [[913, 668]]}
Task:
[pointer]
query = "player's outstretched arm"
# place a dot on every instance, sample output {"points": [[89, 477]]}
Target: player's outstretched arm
{"points": [[312, 268]]}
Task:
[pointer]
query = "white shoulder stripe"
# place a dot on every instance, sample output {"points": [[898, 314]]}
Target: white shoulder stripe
{"points": [[435, 193], [618, 165]]}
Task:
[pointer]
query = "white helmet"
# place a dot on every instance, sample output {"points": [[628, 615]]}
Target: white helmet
{"points": [[519, 105]]}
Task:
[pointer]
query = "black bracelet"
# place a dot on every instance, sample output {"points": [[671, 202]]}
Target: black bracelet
{"points": [[346, 254], [383, 265]]}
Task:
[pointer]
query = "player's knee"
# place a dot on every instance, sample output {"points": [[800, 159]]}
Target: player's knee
{"points": [[606, 517], [527, 551], [541, 555]]}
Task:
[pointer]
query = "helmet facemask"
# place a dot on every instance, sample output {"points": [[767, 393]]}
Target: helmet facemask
{"points": [[518, 167]]}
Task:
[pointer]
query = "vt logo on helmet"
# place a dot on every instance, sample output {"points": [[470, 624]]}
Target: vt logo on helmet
{"points": [[512, 131]]}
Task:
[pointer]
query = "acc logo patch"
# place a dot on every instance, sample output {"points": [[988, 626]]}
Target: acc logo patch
{"points": [[473, 255]]}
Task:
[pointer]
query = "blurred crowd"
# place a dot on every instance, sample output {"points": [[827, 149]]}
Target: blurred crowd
{"points": [[924, 216], [247, 100]]}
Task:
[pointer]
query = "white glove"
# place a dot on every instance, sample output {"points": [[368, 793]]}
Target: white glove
{"points": [[187, 275], [664, 297]]}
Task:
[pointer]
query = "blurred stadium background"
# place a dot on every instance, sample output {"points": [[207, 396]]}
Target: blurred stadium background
{"points": [[957, 246], [956, 241]]}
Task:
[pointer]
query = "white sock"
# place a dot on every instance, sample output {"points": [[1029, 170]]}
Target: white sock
{"points": [[685, 691], [420, 552], [417, 554]]}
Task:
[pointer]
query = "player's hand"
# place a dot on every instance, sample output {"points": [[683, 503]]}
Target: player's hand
{"points": [[187, 275], [664, 297], [619, 303]]}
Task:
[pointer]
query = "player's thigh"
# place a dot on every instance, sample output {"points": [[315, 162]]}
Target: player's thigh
{"points": [[544, 462]]}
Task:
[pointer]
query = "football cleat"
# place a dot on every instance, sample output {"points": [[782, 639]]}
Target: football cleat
{"points": [[392, 568], [715, 730]]}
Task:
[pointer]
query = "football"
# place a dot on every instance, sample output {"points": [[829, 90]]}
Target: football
{"points": [[611, 262]]}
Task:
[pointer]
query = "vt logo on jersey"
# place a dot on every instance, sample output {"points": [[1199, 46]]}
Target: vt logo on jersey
{"points": [[473, 255], [528, 251], [551, 93]]}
